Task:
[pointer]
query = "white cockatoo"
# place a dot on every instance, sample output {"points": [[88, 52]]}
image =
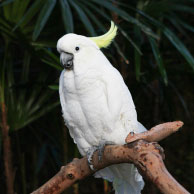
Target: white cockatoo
{"points": [[96, 104]]}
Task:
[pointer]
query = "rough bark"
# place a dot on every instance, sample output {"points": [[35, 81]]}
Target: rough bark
{"points": [[7, 154], [156, 133], [148, 158]]}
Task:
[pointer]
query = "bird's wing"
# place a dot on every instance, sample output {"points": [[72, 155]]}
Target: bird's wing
{"points": [[125, 177], [119, 100]]}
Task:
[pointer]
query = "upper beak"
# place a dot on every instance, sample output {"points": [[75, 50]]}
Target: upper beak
{"points": [[67, 60]]}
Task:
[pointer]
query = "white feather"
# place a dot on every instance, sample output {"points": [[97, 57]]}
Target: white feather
{"points": [[97, 106]]}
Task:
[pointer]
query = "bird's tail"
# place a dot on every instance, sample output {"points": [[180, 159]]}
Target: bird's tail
{"points": [[122, 187], [125, 178]]}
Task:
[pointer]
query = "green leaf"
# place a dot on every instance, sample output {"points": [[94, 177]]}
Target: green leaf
{"points": [[92, 15], [109, 19], [137, 65], [184, 24], [67, 16], [130, 40], [26, 66], [54, 87], [44, 44], [7, 9], [159, 60], [7, 32], [18, 8], [33, 96], [180, 97], [5, 23], [157, 8], [23, 6], [43, 17], [137, 56], [6, 2], [83, 17], [32, 11], [126, 17], [51, 55], [172, 38], [174, 21], [184, 8], [40, 113], [56, 66], [179, 46], [41, 157], [121, 53]]}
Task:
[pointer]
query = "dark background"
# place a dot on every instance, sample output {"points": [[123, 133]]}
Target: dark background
{"points": [[153, 51]]}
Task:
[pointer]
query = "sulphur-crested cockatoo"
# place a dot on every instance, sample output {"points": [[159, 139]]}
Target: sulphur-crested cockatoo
{"points": [[96, 104]]}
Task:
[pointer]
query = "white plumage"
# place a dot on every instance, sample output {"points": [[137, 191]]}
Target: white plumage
{"points": [[97, 106]]}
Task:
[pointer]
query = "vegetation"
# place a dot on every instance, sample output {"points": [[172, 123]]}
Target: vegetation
{"points": [[153, 51]]}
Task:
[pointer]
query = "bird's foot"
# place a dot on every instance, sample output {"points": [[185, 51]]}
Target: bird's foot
{"points": [[89, 155], [100, 149], [132, 133]]}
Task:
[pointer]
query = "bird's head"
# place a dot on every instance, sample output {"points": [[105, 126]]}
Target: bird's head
{"points": [[73, 47]]}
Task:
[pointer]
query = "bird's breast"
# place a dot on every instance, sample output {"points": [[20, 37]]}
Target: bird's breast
{"points": [[81, 84], [84, 100]]}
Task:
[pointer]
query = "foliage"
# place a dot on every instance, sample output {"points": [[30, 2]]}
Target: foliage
{"points": [[153, 52]]}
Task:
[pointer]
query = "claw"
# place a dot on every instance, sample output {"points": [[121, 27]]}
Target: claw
{"points": [[132, 133], [89, 154], [100, 152], [100, 149]]}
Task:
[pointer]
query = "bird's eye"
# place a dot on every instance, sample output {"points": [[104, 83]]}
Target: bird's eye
{"points": [[77, 48]]}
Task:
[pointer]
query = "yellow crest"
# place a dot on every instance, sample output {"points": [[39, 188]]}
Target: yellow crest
{"points": [[106, 39]]}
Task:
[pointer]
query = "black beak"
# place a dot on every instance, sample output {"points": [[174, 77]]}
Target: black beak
{"points": [[67, 60]]}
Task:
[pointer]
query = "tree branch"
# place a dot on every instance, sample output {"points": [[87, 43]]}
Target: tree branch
{"points": [[156, 133], [148, 158]]}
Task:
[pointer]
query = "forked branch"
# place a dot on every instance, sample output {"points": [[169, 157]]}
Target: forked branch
{"points": [[148, 158]]}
